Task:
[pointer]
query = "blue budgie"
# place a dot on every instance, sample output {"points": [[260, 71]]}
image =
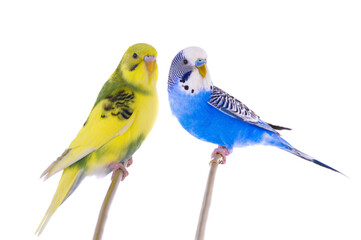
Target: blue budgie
{"points": [[210, 114]]}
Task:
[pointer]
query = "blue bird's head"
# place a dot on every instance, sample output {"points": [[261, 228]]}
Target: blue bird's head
{"points": [[188, 72]]}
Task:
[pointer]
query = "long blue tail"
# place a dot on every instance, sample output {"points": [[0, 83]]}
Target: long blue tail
{"points": [[284, 145], [311, 159]]}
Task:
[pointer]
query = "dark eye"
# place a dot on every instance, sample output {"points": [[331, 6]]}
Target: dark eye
{"points": [[185, 61], [135, 56]]}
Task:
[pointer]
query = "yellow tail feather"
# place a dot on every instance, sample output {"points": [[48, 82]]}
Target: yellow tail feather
{"points": [[53, 164], [68, 182]]}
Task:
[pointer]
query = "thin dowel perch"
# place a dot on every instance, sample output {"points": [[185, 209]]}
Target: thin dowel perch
{"points": [[98, 233], [207, 197]]}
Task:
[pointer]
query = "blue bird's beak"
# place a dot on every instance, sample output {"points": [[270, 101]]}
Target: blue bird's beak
{"points": [[201, 65]]}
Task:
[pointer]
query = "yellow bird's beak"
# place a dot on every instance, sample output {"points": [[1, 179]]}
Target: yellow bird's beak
{"points": [[201, 65], [202, 70], [149, 62]]}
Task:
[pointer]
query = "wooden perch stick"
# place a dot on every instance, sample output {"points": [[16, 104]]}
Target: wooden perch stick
{"points": [[98, 233], [207, 197]]}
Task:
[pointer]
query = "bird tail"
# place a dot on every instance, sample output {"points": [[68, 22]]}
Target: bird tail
{"points": [[276, 127], [69, 181], [287, 147]]}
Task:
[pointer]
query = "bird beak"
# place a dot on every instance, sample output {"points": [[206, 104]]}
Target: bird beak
{"points": [[201, 65], [149, 62]]}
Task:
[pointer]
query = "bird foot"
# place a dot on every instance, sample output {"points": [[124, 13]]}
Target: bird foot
{"points": [[223, 151], [119, 166], [129, 162]]}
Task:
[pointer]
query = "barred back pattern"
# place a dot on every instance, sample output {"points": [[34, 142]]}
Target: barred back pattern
{"points": [[227, 103]]}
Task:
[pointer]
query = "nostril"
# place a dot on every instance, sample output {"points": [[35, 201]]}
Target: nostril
{"points": [[148, 58]]}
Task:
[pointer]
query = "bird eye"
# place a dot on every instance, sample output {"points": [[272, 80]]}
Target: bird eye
{"points": [[135, 56], [185, 61]]}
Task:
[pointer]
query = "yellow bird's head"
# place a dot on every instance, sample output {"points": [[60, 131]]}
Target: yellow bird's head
{"points": [[139, 65]]}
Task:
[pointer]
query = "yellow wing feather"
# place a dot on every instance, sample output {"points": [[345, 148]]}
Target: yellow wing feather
{"points": [[99, 129]]}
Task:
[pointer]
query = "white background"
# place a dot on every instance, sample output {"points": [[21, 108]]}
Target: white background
{"points": [[295, 64]]}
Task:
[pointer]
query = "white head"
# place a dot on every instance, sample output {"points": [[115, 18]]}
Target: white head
{"points": [[189, 71]]}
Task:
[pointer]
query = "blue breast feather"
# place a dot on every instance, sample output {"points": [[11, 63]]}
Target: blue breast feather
{"points": [[207, 123]]}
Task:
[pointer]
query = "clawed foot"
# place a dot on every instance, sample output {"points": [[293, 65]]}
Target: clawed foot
{"points": [[117, 166], [223, 151], [129, 162]]}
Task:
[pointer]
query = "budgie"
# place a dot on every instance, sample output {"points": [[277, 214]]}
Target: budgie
{"points": [[210, 114], [121, 118]]}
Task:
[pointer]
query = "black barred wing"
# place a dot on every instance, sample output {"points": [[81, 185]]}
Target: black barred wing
{"points": [[112, 115], [235, 108], [119, 105], [230, 105]]}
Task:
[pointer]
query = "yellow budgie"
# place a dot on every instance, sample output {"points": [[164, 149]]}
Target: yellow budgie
{"points": [[122, 116]]}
